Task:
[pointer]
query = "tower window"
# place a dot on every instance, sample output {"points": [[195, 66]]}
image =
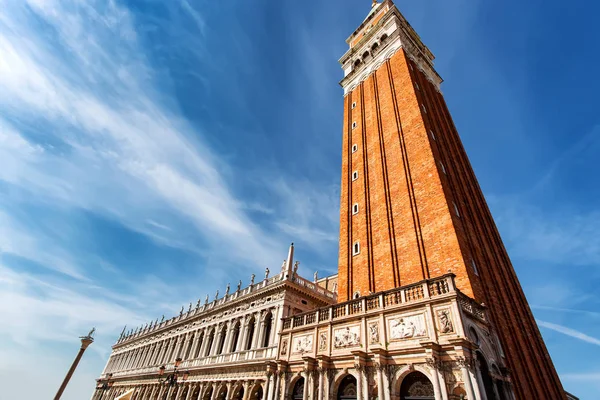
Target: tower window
{"points": [[474, 267], [356, 249], [355, 208], [456, 209], [356, 295], [354, 125], [424, 109], [353, 105], [432, 135], [355, 175], [354, 148]]}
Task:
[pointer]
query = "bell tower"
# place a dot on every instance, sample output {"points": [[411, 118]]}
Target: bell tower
{"points": [[411, 207]]}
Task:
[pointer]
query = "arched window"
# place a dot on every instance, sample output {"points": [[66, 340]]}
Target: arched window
{"points": [[199, 346], [235, 338], [347, 389], [383, 37], [416, 386], [488, 383], [189, 349], [222, 340], [251, 326], [267, 337], [298, 392], [211, 338], [357, 63], [365, 55], [375, 46]]}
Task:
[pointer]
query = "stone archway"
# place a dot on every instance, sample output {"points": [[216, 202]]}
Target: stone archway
{"points": [[256, 393], [237, 392], [347, 389], [416, 386], [221, 392], [298, 390], [208, 393]]}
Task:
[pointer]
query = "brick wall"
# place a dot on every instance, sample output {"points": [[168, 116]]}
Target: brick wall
{"points": [[422, 214]]}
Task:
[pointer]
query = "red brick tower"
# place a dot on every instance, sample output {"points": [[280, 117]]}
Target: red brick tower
{"points": [[411, 207]]}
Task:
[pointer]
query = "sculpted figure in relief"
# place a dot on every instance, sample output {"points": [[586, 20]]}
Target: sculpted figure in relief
{"points": [[323, 341], [445, 322], [374, 333], [408, 327], [303, 344], [348, 336]]}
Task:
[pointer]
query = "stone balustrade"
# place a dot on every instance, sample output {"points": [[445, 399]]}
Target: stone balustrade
{"points": [[406, 294]]}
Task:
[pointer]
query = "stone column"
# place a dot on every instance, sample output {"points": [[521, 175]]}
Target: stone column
{"points": [[464, 369], [190, 392], [320, 383], [197, 335], [359, 381], [241, 335], [153, 390], [217, 340], [306, 376], [268, 387], [178, 346], [433, 366], [85, 342], [273, 331], [205, 340], [228, 337], [179, 392], [380, 383], [257, 323], [277, 381]]}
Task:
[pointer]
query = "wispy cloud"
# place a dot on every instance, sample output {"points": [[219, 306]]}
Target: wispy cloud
{"points": [[553, 236], [569, 332], [594, 314]]}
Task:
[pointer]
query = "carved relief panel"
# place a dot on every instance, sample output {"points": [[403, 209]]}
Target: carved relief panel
{"points": [[302, 344], [322, 341], [444, 320], [407, 327], [373, 332], [347, 336]]}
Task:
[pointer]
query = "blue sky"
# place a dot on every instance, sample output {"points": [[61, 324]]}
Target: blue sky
{"points": [[151, 152]]}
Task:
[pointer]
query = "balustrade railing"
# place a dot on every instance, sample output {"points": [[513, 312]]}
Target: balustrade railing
{"points": [[401, 295], [246, 355]]}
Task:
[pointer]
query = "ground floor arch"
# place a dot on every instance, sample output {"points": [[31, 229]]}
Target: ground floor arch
{"points": [[348, 388], [416, 386]]}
